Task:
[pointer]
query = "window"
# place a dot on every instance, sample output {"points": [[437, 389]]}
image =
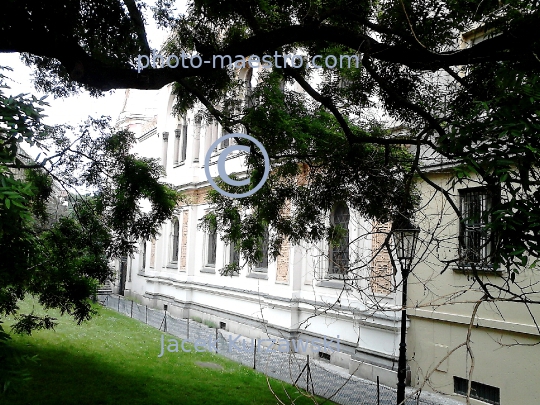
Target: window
{"points": [[175, 240], [483, 392], [231, 260], [234, 254], [475, 240], [211, 248], [143, 258], [324, 356], [262, 265], [338, 256], [180, 143], [183, 153], [226, 142]]}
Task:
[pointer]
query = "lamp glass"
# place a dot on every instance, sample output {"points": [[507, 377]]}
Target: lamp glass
{"points": [[405, 241]]}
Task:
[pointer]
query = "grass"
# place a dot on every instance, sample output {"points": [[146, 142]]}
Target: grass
{"points": [[196, 319], [113, 359], [210, 324]]}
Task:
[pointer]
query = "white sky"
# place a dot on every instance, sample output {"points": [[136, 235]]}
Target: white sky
{"points": [[74, 109], [70, 110]]}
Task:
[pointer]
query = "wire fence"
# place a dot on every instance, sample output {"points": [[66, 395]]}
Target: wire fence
{"points": [[295, 368]]}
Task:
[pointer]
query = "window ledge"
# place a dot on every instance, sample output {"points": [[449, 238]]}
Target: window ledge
{"points": [[258, 274], [172, 266], [210, 270], [178, 164], [333, 283]]}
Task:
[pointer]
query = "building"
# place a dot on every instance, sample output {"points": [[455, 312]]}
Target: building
{"points": [[301, 295], [447, 317]]}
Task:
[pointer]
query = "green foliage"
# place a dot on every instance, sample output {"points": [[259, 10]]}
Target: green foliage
{"points": [[62, 263], [498, 141], [474, 107], [314, 167], [12, 373]]}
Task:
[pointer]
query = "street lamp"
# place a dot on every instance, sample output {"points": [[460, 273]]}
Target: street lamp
{"points": [[405, 239]]}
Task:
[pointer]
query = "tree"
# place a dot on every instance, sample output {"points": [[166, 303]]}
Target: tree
{"points": [[474, 107], [411, 65], [62, 265]]}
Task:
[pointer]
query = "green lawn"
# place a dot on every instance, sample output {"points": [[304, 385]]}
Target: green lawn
{"points": [[114, 360]]}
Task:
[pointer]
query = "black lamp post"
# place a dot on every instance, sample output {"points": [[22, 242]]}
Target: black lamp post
{"points": [[405, 238]]}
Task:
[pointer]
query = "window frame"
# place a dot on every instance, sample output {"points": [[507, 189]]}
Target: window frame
{"points": [[175, 239], [211, 235], [143, 255], [262, 266], [184, 142], [479, 391], [232, 255], [331, 274], [474, 233]]}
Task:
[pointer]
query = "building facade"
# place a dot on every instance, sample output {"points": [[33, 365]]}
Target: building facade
{"points": [[458, 332], [301, 295]]}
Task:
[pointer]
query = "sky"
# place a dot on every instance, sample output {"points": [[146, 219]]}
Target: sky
{"points": [[70, 110], [74, 109]]}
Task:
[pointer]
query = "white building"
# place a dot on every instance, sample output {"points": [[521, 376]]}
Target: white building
{"points": [[300, 295]]}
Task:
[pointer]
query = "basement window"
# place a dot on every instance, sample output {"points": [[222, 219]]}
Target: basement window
{"points": [[324, 356], [482, 392]]}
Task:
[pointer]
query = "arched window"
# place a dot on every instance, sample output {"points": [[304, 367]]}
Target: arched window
{"points": [[175, 240], [339, 255]]}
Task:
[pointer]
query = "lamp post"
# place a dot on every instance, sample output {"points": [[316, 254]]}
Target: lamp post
{"points": [[405, 238]]}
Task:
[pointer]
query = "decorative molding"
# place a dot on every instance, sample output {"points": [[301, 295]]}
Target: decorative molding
{"points": [[148, 134], [183, 245]]}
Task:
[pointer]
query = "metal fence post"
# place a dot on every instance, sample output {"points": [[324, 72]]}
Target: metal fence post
{"points": [[216, 339], [118, 304], [187, 329], [165, 318], [146, 317], [255, 354], [378, 392], [131, 309], [307, 374]]}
